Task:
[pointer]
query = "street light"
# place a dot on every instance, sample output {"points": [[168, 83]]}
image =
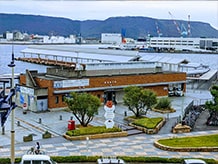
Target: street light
{"points": [[12, 65]]}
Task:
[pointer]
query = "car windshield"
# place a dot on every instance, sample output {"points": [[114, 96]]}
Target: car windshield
{"points": [[53, 162]]}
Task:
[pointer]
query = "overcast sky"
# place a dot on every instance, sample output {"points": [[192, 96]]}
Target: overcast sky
{"points": [[205, 11]]}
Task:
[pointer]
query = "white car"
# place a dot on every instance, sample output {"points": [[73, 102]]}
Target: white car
{"points": [[178, 92], [193, 161], [36, 159], [110, 161]]}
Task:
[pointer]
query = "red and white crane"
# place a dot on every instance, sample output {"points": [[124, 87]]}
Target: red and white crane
{"points": [[158, 30], [174, 21], [189, 26]]}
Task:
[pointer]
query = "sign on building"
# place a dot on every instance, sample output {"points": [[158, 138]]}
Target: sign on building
{"points": [[71, 83]]}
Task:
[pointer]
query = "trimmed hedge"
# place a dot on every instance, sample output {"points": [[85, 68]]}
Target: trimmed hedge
{"points": [[74, 159], [92, 130]]}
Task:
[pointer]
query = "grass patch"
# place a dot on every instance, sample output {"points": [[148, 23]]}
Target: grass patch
{"points": [[149, 123], [92, 130], [198, 141]]}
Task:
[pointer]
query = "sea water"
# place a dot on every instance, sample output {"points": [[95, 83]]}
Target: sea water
{"points": [[6, 50]]}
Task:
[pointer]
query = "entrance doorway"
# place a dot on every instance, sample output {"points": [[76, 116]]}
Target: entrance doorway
{"points": [[110, 95]]}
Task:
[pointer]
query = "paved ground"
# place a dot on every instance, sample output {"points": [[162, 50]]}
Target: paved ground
{"points": [[137, 145]]}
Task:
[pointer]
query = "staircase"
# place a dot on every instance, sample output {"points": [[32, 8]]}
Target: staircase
{"points": [[131, 130]]}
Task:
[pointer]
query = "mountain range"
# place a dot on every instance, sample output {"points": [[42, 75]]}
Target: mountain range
{"points": [[133, 27]]}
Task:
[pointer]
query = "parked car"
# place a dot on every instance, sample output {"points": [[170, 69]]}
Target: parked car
{"points": [[110, 161], [33, 159], [193, 161], [178, 92], [170, 92]]}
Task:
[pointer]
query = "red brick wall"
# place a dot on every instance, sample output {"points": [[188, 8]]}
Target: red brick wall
{"points": [[114, 81], [22, 79]]}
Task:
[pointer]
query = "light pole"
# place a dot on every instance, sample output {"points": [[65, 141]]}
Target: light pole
{"points": [[12, 65]]}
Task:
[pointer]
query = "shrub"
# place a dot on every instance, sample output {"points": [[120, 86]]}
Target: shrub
{"points": [[46, 135], [28, 138], [163, 103], [92, 130], [73, 159]]}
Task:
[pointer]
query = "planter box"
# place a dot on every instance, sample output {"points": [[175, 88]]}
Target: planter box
{"points": [[150, 131], [28, 138], [46, 135]]}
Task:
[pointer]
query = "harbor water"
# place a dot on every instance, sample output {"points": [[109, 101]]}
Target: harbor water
{"points": [[6, 50]]}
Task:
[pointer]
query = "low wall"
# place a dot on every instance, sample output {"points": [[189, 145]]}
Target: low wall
{"points": [[97, 136], [185, 149], [150, 131]]}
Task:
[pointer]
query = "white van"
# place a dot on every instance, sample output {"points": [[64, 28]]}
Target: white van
{"points": [[36, 159], [193, 161]]}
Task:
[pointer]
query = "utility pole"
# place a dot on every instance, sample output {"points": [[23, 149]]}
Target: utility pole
{"points": [[12, 65]]}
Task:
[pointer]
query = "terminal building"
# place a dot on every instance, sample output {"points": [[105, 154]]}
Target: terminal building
{"points": [[104, 75]]}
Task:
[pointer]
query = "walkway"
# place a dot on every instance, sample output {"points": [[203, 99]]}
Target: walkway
{"points": [[136, 145]]}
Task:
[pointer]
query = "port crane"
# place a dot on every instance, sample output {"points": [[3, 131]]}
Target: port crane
{"points": [[158, 30], [175, 23], [182, 31]]}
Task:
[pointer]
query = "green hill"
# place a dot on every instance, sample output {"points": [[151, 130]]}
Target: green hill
{"points": [[133, 27]]}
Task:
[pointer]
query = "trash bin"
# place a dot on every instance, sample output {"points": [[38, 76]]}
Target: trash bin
{"points": [[71, 125]]}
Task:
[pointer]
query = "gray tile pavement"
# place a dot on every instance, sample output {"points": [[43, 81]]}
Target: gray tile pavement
{"points": [[137, 145]]}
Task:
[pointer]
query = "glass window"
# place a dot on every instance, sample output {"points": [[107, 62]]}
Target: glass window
{"points": [[56, 99], [26, 162], [36, 162], [63, 97]]}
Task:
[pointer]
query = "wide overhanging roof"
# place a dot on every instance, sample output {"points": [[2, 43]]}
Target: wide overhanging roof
{"points": [[91, 54], [162, 59]]}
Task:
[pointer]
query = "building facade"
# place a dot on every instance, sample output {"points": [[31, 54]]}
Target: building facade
{"points": [[47, 91], [179, 43]]}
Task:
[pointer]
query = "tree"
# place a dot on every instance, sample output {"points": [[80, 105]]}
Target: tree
{"points": [[139, 100], [213, 106], [83, 106]]}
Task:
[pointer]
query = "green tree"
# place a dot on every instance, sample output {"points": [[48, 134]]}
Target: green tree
{"points": [[139, 100], [83, 106]]}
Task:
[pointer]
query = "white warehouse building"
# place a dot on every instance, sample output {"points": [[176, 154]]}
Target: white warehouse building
{"points": [[180, 43], [111, 38]]}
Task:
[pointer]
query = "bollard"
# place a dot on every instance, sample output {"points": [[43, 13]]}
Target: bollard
{"points": [[125, 113], [3, 130], [60, 117], [40, 120], [18, 123]]}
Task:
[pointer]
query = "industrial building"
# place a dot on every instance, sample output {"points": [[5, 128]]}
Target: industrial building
{"points": [[183, 44], [111, 38], [99, 74], [161, 44]]}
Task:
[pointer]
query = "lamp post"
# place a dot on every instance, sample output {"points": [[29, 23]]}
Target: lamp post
{"points": [[12, 65]]}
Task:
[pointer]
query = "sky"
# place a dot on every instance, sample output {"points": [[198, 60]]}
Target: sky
{"points": [[204, 11]]}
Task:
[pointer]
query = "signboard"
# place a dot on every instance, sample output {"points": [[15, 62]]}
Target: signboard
{"points": [[26, 90], [71, 83]]}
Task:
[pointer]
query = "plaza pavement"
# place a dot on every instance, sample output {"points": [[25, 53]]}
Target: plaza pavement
{"points": [[135, 145]]}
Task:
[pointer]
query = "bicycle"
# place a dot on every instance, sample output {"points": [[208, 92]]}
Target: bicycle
{"points": [[33, 151]]}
